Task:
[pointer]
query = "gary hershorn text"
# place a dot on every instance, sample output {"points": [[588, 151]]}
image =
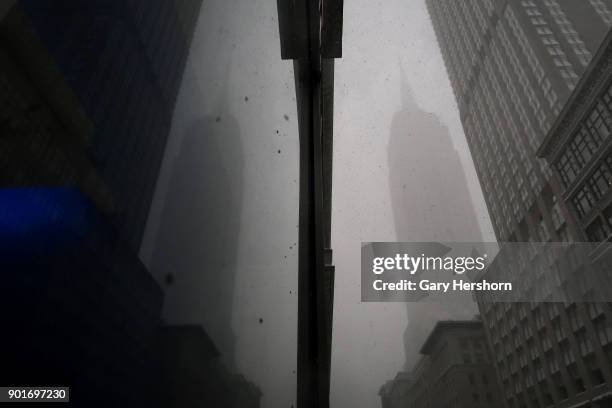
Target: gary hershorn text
{"points": [[455, 285]]}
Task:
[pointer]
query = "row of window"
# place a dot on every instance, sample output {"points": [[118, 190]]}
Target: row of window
{"points": [[594, 189], [510, 366], [585, 142], [603, 11], [601, 227], [566, 27], [505, 343], [523, 78]]}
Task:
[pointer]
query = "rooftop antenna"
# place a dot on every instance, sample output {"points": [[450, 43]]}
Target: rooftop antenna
{"points": [[406, 96]]}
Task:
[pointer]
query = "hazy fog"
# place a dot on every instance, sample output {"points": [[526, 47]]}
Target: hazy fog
{"points": [[223, 229]]}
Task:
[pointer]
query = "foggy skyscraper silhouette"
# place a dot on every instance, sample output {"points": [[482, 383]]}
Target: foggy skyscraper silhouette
{"points": [[430, 201], [197, 241], [429, 191]]}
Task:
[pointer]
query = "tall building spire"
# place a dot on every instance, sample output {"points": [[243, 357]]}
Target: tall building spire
{"points": [[406, 96], [224, 89]]}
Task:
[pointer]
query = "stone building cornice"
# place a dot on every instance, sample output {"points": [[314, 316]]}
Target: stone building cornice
{"points": [[595, 78]]}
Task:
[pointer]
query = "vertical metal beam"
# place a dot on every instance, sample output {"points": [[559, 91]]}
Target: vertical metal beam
{"points": [[307, 330], [331, 30], [308, 70], [327, 136], [291, 29], [301, 22]]}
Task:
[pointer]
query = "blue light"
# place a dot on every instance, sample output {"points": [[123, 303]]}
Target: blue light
{"points": [[42, 220]]}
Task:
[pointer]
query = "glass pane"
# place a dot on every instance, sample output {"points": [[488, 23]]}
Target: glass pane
{"points": [[223, 224], [172, 235], [149, 202]]}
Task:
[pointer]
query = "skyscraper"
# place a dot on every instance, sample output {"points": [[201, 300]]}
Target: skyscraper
{"points": [[513, 65], [87, 97], [430, 203], [124, 60], [208, 231]]}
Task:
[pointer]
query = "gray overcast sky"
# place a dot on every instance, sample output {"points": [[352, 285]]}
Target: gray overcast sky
{"points": [[236, 55]]}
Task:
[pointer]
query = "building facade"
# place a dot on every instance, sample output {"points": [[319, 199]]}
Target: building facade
{"points": [[455, 370], [192, 374], [578, 149], [124, 60], [513, 66], [394, 393], [82, 308]]}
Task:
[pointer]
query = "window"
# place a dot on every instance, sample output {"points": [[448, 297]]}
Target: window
{"points": [[600, 181], [557, 379], [543, 230], [564, 235], [539, 368], [522, 358], [598, 123], [607, 213], [597, 231], [584, 145], [594, 371], [546, 342], [575, 375], [583, 201], [604, 332], [557, 218], [522, 313], [539, 318], [607, 98], [528, 331], [574, 319], [548, 399], [558, 330], [584, 343], [595, 310], [568, 168], [566, 352], [553, 363]]}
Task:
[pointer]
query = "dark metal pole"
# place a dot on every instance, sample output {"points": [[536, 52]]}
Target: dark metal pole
{"points": [[307, 74], [302, 24]]}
